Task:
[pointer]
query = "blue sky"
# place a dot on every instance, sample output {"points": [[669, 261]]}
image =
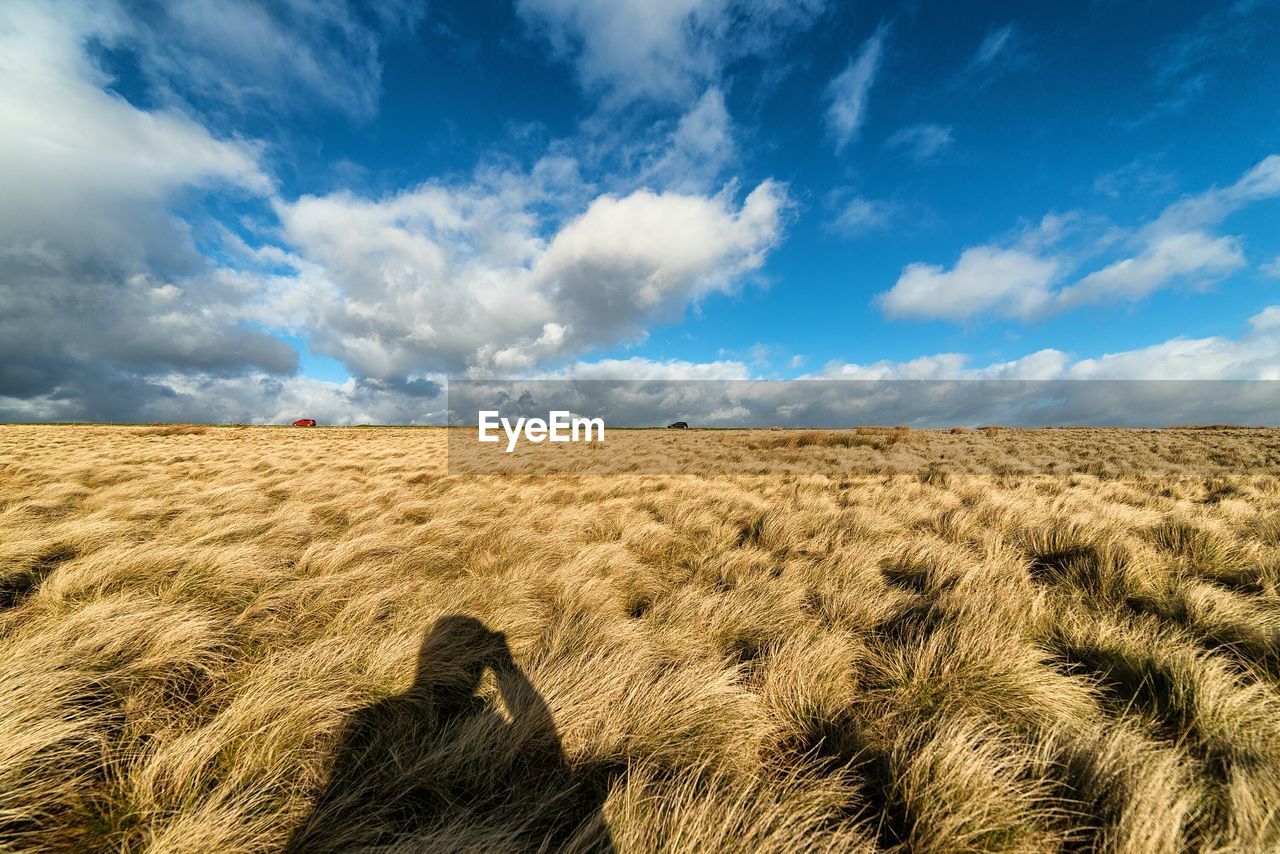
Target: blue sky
{"points": [[232, 211]]}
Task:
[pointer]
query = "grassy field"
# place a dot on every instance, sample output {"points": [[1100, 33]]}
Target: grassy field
{"points": [[251, 639]]}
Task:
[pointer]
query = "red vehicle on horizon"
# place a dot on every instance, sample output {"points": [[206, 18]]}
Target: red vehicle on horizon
{"points": [[305, 422]]}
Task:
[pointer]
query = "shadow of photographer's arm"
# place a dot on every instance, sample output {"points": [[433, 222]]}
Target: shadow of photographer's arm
{"points": [[523, 702]]}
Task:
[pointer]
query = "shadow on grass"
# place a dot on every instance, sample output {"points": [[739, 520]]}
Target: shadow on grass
{"points": [[438, 768]]}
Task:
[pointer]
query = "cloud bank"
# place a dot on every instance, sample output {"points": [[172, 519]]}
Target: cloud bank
{"points": [[122, 297]]}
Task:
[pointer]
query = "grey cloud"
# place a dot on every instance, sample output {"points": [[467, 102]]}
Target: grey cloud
{"points": [[416, 387], [74, 335], [107, 394], [102, 288]]}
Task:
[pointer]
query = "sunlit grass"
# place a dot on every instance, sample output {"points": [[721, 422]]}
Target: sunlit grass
{"points": [[192, 618]]}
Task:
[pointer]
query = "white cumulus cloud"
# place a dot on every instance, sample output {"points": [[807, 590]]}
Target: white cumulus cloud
{"points": [[463, 279], [1011, 282], [1193, 255], [1031, 279]]}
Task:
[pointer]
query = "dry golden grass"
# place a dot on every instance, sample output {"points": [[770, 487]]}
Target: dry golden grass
{"points": [[878, 439], [246, 639]]}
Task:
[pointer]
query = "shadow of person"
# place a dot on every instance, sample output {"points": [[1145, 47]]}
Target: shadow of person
{"points": [[439, 768]]}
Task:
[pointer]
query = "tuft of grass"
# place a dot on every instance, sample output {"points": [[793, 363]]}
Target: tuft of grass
{"points": [[828, 439], [933, 474], [172, 430]]}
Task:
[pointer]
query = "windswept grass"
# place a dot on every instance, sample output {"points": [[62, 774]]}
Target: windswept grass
{"points": [[172, 430], [251, 640]]}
